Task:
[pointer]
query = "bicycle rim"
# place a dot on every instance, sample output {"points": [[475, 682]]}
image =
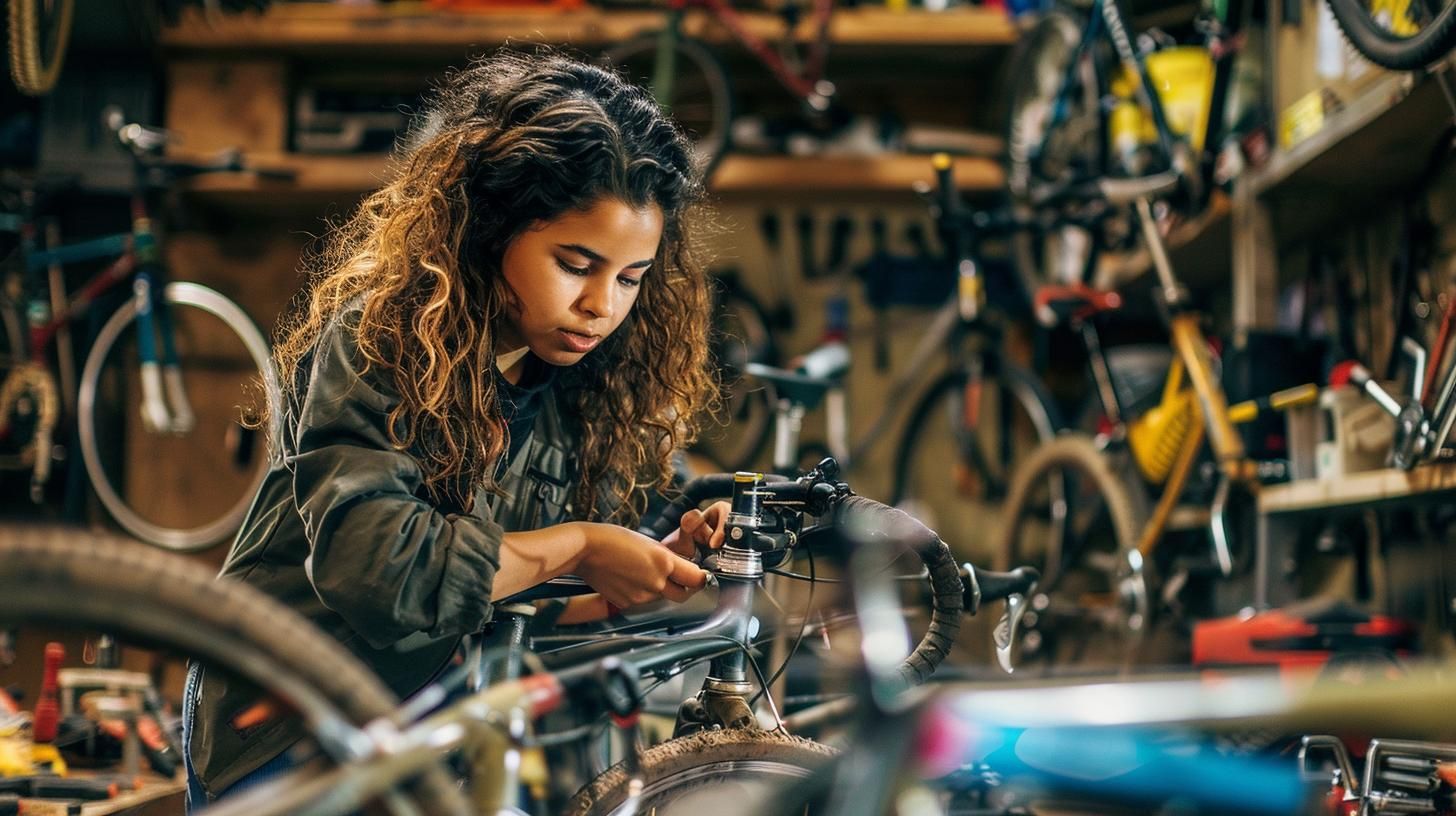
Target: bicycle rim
{"points": [[701, 100], [75, 583], [213, 471], [1398, 36], [959, 450], [1092, 609], [1041, 152]]}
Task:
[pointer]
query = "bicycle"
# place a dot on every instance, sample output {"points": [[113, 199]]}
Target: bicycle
{"points": [[366, 750], [981, 414], [163, 333], [1100, 598], [689, 81], [1083, 101]]}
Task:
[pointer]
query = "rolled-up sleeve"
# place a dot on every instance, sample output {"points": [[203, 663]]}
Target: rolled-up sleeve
{"points": [[386, 560]]}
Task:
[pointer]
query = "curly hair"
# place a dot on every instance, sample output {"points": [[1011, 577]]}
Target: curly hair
{"points": [[506, 143]]}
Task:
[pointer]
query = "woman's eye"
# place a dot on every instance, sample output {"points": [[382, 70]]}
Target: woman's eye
{"points": [[573, 270], [632, 283]]}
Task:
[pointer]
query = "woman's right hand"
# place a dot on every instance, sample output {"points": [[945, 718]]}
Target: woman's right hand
{"points": [[630, 569]]}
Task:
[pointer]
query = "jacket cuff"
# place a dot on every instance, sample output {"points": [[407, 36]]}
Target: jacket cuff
{"points": [[464, 603]]}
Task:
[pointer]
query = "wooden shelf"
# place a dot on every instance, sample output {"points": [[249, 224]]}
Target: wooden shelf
{"points": [[1358, 489], [353, 176], [312, 28], [1198, 249], [1377, 145]]}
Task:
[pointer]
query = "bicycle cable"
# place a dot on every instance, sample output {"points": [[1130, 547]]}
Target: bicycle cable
{"points": [[803, 627], [651, 639]]}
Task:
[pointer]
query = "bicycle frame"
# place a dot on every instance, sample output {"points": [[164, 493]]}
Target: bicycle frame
{"points": [[1109, 20], [804, 82], [1211, 414], [138, 260]]}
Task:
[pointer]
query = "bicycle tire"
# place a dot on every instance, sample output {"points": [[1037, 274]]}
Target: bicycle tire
{"points": [[55, 576], [35, 73], [707, 124], [1077, 453], [741, 424], [681, 765], [1389, 50], [1038, 66], [200, 536], [974, 468]]}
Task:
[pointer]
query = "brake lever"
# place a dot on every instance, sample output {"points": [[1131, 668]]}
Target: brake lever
{"points": [[1004, 635]]}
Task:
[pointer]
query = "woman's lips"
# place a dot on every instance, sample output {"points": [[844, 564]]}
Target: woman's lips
{"points": [[579, 343]]}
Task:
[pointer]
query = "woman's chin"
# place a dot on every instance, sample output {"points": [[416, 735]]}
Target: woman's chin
{"points": [[558, 356]]}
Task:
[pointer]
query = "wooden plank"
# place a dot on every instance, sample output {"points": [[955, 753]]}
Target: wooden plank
{"points": [[738, 174], [157, 796], [417, 28], [214, 104], [747, 174], [1370, 487]]}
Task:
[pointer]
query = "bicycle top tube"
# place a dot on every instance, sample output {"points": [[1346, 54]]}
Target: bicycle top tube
{"points": [[110, 246]]}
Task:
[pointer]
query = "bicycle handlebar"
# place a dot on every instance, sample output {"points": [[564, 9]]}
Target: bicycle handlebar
{"points": [[984, 586], [867, 520]]}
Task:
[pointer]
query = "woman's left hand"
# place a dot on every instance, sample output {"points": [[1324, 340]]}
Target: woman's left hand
{"points": [[699, 528]]}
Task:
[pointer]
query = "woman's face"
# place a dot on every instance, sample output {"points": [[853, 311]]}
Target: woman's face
{"points": [[576, 277]]}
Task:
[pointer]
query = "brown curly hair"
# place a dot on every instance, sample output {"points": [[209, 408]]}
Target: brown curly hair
{"points": [[508, 142]]}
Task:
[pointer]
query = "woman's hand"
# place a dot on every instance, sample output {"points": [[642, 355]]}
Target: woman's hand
{"points": [[630, 569], [705, 528]]}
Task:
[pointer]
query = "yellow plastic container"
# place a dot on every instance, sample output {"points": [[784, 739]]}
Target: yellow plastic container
{"points": [[1184, 79]]}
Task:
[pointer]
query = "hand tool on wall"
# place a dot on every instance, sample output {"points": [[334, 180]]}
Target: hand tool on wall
{"points": [[781, 313]]}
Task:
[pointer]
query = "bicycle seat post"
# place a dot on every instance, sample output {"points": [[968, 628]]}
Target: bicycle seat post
{"points": [[1173, 292], [788, 424]]}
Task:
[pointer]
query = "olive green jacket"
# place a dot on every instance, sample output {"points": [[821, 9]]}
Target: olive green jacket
{"points": [[341, 532]]}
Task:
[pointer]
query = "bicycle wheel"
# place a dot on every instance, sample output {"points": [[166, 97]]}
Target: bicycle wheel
{"points": [[1401, 37], [726, 771], [1093, 605], [736, 430], [85, 584], [181, 490], [962, 442], [701, 99], [1055, 134], [39, 34]]}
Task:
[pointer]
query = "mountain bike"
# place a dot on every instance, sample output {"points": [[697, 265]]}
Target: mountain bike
{"points": [[1112, 570], [1086, 106], [132, 401], [689, 81]]}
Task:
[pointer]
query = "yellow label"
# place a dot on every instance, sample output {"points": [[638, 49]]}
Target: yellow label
{"points": [[1302, 119]]}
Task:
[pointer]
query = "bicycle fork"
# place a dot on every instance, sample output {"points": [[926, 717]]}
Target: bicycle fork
{"points": [[165, 407]]}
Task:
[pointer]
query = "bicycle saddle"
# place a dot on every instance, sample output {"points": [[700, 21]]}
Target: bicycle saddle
{"points": [[1059, 304], [797, 388]]}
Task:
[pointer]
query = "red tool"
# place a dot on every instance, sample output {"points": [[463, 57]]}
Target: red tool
{"points": [[47, 710]]}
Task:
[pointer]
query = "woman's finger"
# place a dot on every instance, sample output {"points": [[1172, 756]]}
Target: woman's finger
{"points": [[677, 593]]}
